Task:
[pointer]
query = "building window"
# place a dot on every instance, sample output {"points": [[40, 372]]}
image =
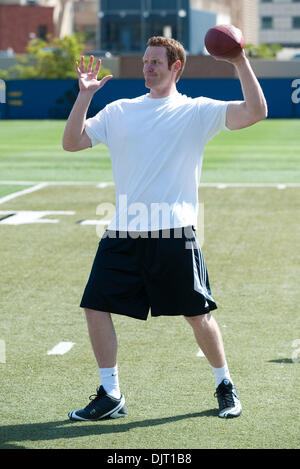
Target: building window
{"points": [[118, 5], [42, 32], [266, 22], [90, 33], [163, 5], [296, 22]]}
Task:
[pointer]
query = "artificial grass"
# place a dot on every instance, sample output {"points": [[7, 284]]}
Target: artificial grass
{"points": [[250, 247], [267, 152]]}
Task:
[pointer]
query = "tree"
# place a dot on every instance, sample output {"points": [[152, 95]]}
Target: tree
{"points": [[54, 58], [263, 51]]}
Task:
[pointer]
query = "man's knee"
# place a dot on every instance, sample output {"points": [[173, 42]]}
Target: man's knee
{"points": [[92, 313], [199, 320]]}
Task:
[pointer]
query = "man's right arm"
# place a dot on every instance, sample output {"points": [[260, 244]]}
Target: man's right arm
{"points": [[75, 137]]}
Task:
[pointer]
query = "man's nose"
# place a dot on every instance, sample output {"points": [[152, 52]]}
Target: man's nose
{"points": [[148, 68]]}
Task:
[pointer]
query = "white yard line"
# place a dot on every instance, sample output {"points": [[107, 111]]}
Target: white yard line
{"points": [[51, 183], [21, 217], [102, 185], [61, 348], [254, 147], [2, 351], [20, 183], [224, 185], [14, 195], [94, 222], [37, 185]]}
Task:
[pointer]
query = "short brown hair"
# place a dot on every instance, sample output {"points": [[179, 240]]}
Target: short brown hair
{"points": [[175, 51]]}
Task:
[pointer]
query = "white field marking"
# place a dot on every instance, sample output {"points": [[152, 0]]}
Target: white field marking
{"points": [[14, 195], [102, 185], [51, 183], [94, 222], [200, 353], [2, 351], [20, 183], [61, 348], [259, 147], [72, 183], [106, 184], [221, 185], [20, 217]]}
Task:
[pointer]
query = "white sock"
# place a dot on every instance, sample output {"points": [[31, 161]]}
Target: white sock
{"points": [[110, 381], [221, 373]]}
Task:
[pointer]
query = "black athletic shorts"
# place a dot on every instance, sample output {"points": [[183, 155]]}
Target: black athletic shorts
{"points": [[162, 271]]}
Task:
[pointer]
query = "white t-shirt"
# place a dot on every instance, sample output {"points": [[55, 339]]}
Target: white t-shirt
{"points": [[156, 148]]}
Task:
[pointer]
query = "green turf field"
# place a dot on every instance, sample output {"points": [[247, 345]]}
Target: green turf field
{"points": [[251, 247]]}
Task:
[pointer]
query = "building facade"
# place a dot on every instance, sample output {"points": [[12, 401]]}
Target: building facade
{"points": [[19, 24], [123, 26], [126, 26], [280, 22], [241, 13]]}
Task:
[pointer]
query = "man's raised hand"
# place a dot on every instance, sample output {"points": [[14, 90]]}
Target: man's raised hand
{"points": [[88, 79]]}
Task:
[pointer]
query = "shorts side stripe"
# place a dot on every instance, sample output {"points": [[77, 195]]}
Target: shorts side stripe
{"points": [[200, 275]]}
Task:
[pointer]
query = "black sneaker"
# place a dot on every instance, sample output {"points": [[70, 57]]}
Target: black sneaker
{"points": [[101, 406], [228, 399]]}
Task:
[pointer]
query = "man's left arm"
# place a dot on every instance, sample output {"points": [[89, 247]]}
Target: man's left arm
{"points": [[242, 114]]}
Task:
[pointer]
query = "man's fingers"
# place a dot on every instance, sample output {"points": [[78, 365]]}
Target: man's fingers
{"points": [[89, 68], [77, 68], [90, 65], [98, 66], [82, 64], [88, 76], [104, 80]]}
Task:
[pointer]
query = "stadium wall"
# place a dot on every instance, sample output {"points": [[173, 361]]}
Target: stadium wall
{"points": [[53, 99]]}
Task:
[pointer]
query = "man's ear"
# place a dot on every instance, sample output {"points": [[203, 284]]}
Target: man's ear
{"points": [[177, 65]]}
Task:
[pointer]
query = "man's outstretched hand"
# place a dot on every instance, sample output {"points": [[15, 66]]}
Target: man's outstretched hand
{"points": [[88, 79]]}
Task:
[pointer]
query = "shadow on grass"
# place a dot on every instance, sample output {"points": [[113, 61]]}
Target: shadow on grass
{"points": [[282, 360], [11, 436]]}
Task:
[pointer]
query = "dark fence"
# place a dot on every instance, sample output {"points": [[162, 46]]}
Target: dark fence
{"points": [[53, 99]]}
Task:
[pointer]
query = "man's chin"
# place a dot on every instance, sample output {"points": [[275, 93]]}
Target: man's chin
{"points": [[147, 83]]}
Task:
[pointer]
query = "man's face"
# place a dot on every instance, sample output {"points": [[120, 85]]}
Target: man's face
{"points": [[156, 70]]}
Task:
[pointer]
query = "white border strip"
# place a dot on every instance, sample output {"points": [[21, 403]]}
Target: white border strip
{"points": [[14, 195]]}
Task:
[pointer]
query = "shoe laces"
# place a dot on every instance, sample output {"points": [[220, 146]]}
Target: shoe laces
{"points": [[225, 397], [93, 398], [99, 393]]}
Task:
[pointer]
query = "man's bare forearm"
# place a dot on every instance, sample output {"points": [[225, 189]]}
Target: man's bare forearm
{"points": [[253, 95], [76, 122]]}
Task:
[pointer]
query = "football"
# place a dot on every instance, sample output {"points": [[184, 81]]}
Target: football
{"points": [[224, 42]]}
